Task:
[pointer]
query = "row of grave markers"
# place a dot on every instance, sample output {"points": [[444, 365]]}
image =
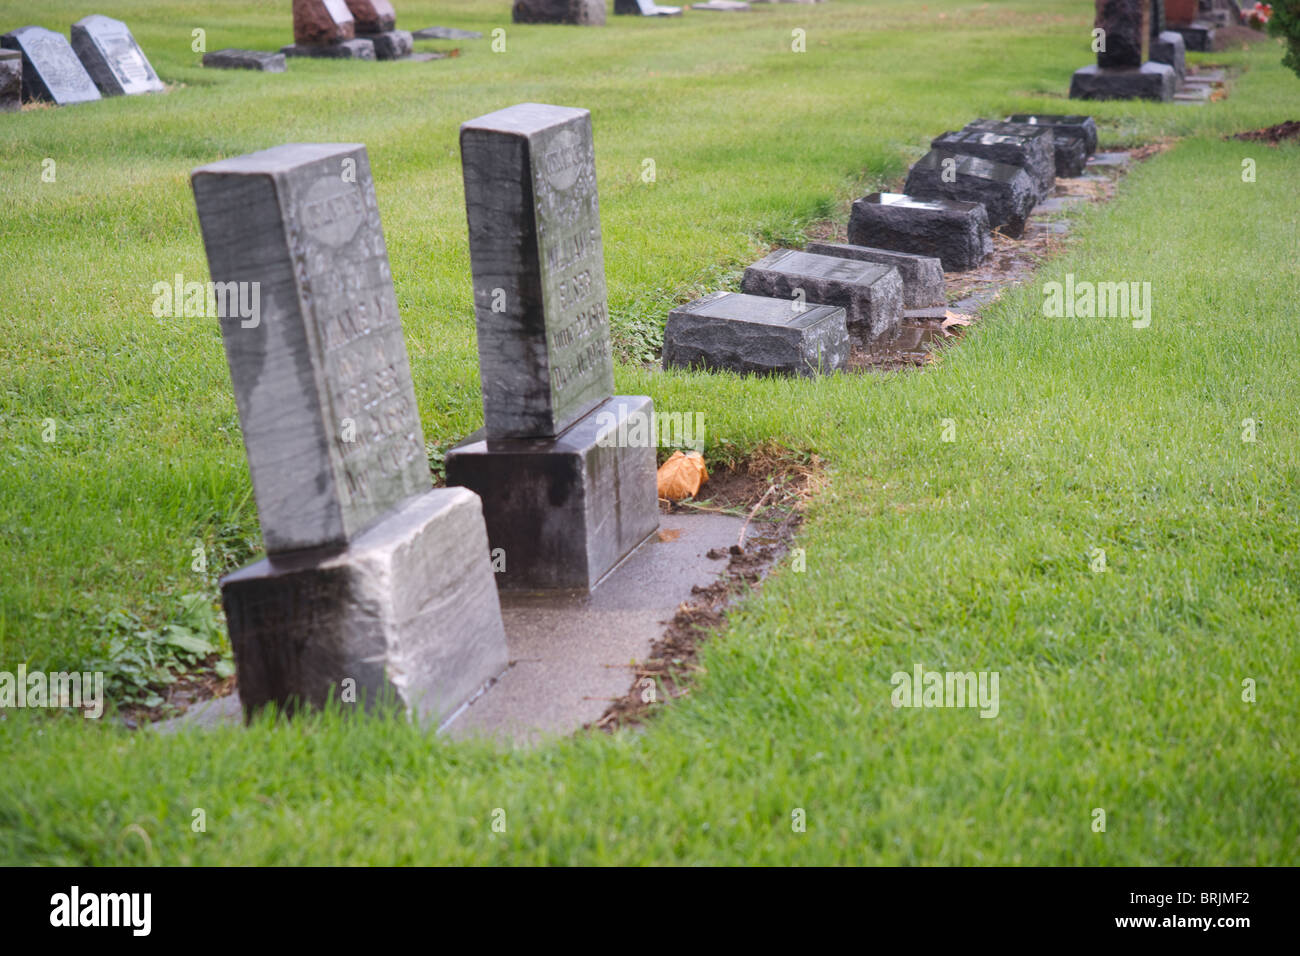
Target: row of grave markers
{"points": [[800, 312], [103, 59]]}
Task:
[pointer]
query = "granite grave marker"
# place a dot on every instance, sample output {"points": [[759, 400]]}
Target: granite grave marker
{"points": [[955, 233], [1006, 192], [51, 70], [922, 275], [11, 80], [1120, 72], [111, 56], [1034, 153], [871, 294]]}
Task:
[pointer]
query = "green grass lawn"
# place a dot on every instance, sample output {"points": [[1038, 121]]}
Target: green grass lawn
{"points": [[1119, 690]]}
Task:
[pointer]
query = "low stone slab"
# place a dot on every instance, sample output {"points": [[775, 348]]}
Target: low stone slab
{"points": [[232, 59], [955, 233], [359, 48], [1006, 192], [729, 331], [644, 8], [1035, 154], [408, 611], [1170, 48], [51, 70], [446, 33], [580, 12], [922, 275], [722, 6], [391, 44], [11, 81], [870, 294], [565, 510], [1197, 37], [1072, 142], [1150, 81], [113, 59], [1061, 124]]}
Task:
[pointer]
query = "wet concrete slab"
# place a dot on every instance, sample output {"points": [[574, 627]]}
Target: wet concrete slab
{"points": [[571, 653]]}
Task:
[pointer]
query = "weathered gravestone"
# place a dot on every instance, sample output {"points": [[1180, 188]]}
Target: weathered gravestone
{"points": [[1034, 153], [111, 56], [729, 331], [870, 294], [955, 233], [1169, 47], [326, 28], [922, 275], [1074, 137], [1006, 192], [232, 59], [370, 575], [51, 70], [376, 20], [644, 8], [566, 493], [1119, 73], [589, 13], [11, 81]]}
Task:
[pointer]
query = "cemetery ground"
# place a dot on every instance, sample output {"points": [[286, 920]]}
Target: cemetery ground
{"points": [[1112, 527]]}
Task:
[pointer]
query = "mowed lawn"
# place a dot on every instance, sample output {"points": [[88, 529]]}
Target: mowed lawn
{"points": [[1120, 690]]}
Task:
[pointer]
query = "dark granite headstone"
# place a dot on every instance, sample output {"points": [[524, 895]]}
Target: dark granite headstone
{"points": [[370, 575], [232, 59], [922, 275], [1035, 154], [391, 44], [111, 56], [51, 70], [728, 331], [1169, 48], [870, 294], [1127, 27], [563, 503], [580, 12], [955, 233], [11, 80], [1006, 192], [1062, 125], [322, 22]]}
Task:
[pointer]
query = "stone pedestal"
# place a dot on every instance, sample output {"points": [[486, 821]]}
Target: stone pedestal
{"points": [[1150, 81], [1006, 192], [408, 611], [566, 510], [750, 334], [870, 294], [955, 233]]}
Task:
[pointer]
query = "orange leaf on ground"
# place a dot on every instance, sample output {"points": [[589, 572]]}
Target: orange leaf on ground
{"points": [[952, 318], [681, 476]]}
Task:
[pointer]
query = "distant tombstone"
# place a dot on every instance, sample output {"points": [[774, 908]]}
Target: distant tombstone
{"points": [[1169, 47], [1074, 137], [51, 70], [1034, 154], [1120, 73], [645, 8], [1126, 28], [955, 233], [871, 294], [567, 490], [232, 59], [370, 574], [111, 56], [729, 331], [1006, 192], [580, 12], [372, 16], [11, 81], [320, 22]]}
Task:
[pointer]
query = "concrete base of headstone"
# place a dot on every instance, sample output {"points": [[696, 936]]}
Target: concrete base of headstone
{"points": [[232, 59], [11, 81], [1034, 154], [391, 44], [1169, 48], [408, 611], [1150, 81], [922, 275], [727, 331], [358, 48], [589, 13], [1006, 192], [566, 510], [871, 295], [955, 233], [1197, 37]]}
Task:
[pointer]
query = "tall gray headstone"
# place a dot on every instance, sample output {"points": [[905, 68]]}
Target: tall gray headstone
{"points": [[564, 496], [111, 56], [370, 575], [51, 70]]}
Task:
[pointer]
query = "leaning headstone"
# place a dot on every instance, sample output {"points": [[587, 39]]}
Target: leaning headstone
{"points": [[51, 70], [111, 56], [564, 496], [325, 28], [955, 233], [1006, 192], [370, 574], [870, 294], [1170, 48], [729, 331], [1035, 154], [232, 59], [1120, 73], [589, 13], [922, 275], [11, 81], [377, 21], [644, 8]]}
